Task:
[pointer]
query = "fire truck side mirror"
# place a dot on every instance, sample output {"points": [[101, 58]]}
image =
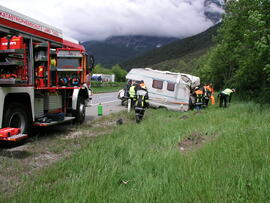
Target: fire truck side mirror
{"points": [[91, 62]]}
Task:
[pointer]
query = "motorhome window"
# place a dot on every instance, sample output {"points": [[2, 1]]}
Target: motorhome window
{"points": [[158, 84], [170, 86]]}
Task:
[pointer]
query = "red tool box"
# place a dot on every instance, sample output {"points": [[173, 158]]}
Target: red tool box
{"points": [[14, 43], [11, 134]]}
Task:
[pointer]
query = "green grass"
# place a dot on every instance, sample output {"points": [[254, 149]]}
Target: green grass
{"points": [[233, 166], [106, 89]]}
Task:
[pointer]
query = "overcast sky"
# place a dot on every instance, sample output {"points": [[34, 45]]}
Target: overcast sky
{"points": [[97, 19]]}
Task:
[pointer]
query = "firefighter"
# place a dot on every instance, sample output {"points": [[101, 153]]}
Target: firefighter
{"points": [[206, 95], [142, 85], [225, 96], [127, 87], [199, 98], [211, 89], [209, 94], [132, 93], [141, 101]]}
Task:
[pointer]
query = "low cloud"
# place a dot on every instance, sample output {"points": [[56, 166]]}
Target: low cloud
{"points": [[97, 20]]}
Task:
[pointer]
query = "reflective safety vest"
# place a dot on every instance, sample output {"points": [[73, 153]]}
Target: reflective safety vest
{"points": [[211, 89], [199, 96], [140, 102], [227, 91], [132, 91], [207, 91], [141, 99]]}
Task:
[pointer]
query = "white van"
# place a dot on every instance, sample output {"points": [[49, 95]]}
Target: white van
{"points": [[166, 89]]}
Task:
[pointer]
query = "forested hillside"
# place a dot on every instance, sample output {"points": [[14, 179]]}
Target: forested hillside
{"points": [[117, 49], [241, 58], [189, 47]]}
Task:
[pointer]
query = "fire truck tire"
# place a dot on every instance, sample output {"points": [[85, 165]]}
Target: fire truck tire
{"points": [[16, 116], [80, 111]]}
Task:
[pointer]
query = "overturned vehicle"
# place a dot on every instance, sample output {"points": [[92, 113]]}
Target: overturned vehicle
{"points": [[166, 89]]}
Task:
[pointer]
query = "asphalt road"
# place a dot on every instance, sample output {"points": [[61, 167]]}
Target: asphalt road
{"points": [[109, 102]]}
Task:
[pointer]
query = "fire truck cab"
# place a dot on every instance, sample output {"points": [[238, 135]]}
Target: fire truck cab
{"points": [[44, 79]]}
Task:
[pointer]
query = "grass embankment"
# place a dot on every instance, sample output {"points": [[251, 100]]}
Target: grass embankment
{"points": [[144, 162], [103, 87], [106, 89]]}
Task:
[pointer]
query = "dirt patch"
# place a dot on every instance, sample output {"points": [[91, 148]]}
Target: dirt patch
{"points": [[44, 159], [195, 141], [20, 152], [101, 128], [106, 124], [15, 154], [73, 135], [81, 133], [47, 147]]}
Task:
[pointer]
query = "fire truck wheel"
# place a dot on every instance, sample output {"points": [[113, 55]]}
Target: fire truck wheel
{"points": [[80, 111], [16, 116]]}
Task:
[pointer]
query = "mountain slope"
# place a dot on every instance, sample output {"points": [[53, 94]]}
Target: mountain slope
{"points": [[175, 50], [117, 49], [214, 10]]}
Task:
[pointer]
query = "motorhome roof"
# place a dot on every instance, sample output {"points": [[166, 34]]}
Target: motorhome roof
{"points": [[160, 71], [139, 73]]}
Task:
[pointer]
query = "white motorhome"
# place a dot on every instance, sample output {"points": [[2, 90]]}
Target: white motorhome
{"points": [[166, 89]]}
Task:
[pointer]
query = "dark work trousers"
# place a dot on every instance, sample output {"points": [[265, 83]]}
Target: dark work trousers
{"points": [[206, 101], [133, 100], [223, 99]]}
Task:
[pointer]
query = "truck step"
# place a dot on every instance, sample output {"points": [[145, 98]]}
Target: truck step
{"points": [[66, 119], [14, 137]]}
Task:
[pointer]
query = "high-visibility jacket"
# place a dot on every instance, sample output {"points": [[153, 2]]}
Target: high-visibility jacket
{"points": [[207, 91], [227, 91], [211, 89], [141, 98], [199, 96], [132, 92]]}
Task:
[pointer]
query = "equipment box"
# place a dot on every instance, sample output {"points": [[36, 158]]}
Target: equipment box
{"points": [[14, 43]]}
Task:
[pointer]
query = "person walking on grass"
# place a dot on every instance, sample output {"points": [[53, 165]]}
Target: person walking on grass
{"points": [[225, 97], [141, 102]]}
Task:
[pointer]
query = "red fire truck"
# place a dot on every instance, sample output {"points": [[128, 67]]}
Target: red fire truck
{"points": [[44, 79]]}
